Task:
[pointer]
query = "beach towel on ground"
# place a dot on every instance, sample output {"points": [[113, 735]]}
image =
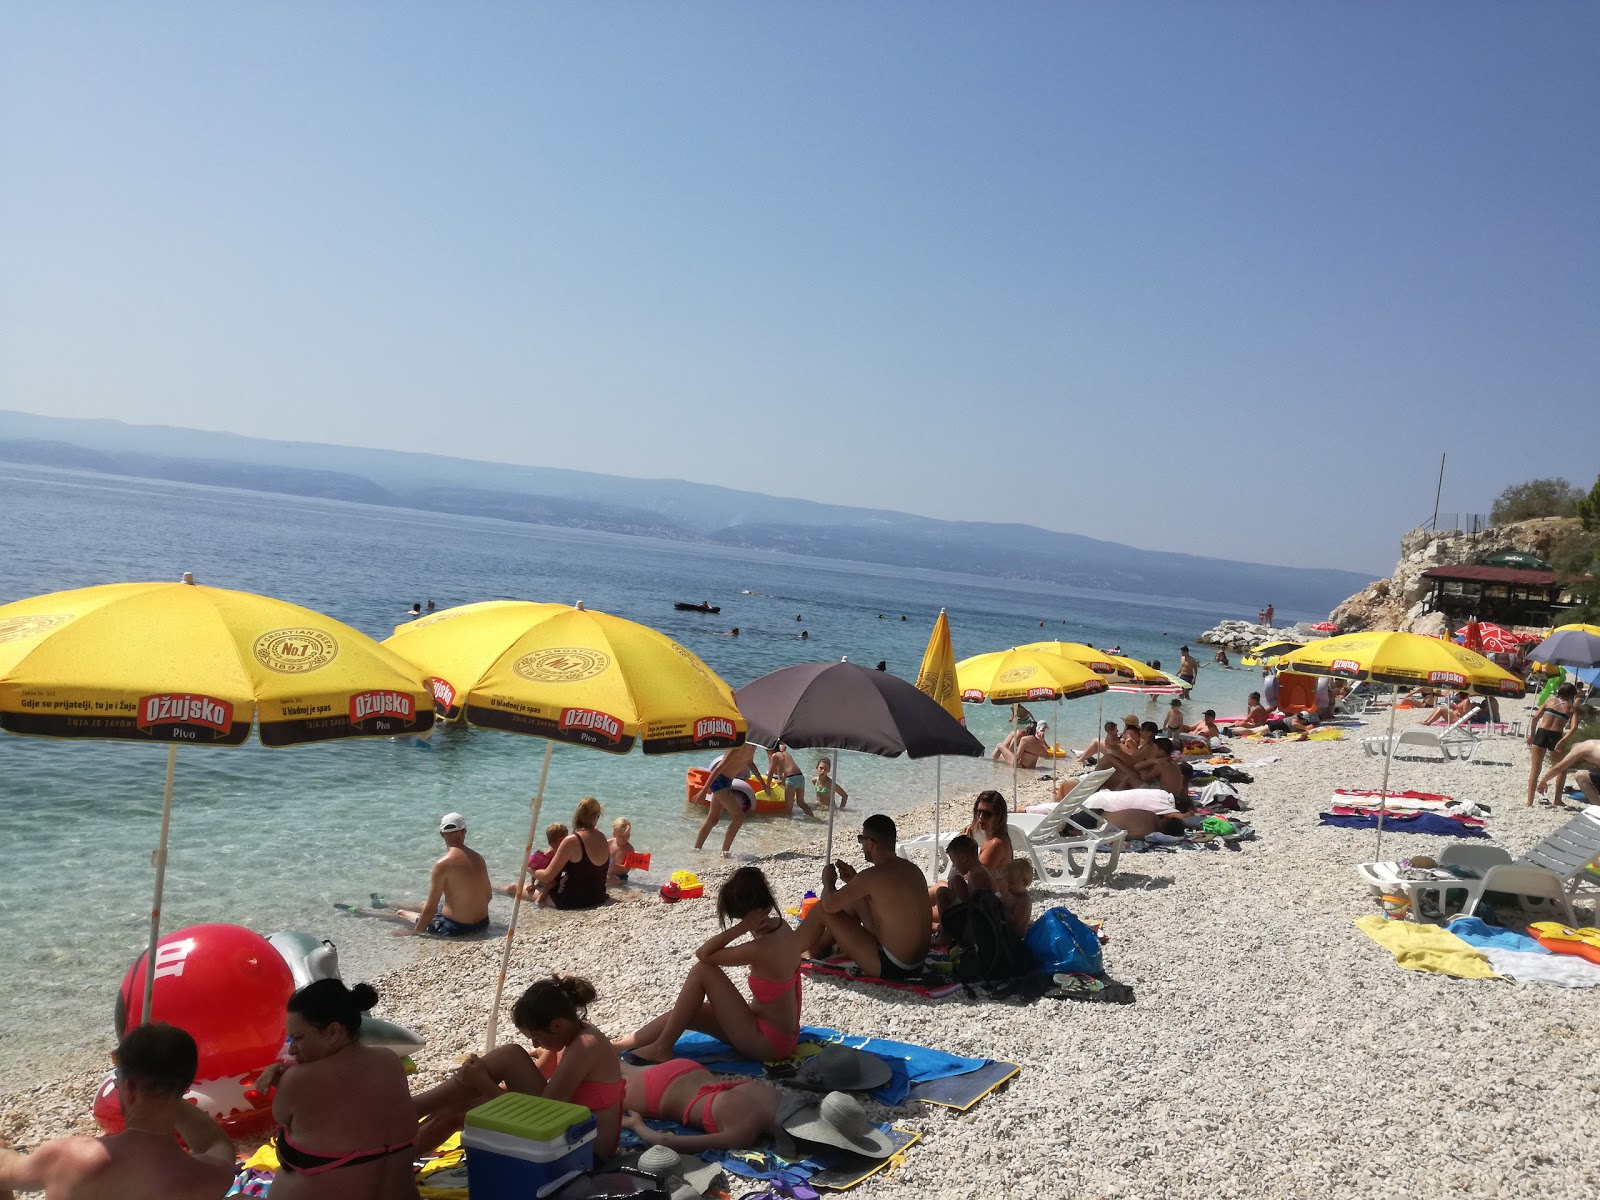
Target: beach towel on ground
{"points": [[1426, 948], [933, 985], [1426, 822], [1543, 968], [1481, 935], [908, 1063]]}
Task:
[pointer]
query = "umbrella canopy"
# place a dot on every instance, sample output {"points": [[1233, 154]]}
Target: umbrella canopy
{"points": [[1264, 654], [570, 675], [1324, 627], [177, 662], [936, 677], [567, 675], [1097, 661], [1014, 676], [1516, 558], [841, 706], [1487, 638], [1569, 646], [189, 665], [1404, 660]]}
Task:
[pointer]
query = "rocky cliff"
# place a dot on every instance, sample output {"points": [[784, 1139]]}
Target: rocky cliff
{"points": [[1397, 602]]}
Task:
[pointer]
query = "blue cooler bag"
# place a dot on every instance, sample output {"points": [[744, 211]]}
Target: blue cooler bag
{"points": [[1063, 945], [520, 1147]]}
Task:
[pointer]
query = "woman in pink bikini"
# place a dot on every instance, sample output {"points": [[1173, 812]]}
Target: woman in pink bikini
{"points": [[765, 1028], [574, 1062], [735, 1114]]}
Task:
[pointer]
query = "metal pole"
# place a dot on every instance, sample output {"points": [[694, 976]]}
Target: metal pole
{"points": [[516, 903], [160, 860], [1436, 494], [1383, 791], [833, 803], [938, 803]]}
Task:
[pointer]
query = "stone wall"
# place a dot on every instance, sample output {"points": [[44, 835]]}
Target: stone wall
{"points": [[1398, 602]]}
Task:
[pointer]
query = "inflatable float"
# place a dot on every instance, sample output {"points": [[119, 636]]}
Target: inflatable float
{"points": [[767, 801], [228, 987]]}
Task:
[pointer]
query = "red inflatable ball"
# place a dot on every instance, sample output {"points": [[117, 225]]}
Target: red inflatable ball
{"points": [[228, 987]]}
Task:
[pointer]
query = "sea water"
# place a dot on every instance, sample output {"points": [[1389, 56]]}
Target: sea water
{"points": [[273, 839]]}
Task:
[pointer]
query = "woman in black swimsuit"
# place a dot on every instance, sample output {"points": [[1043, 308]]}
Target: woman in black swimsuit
{"points": [[576, 876], [1555, 719]]}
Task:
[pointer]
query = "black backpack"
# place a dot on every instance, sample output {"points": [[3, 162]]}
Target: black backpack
{"points": [[982, 946]]}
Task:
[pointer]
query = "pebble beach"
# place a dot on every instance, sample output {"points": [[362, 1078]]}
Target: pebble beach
{"points": [[1273, 1050]]}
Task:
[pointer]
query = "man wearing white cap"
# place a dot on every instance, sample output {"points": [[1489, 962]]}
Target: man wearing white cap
{"points": [[458, 888]]}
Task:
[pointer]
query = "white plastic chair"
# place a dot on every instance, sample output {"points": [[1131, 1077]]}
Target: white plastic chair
{"points": [[916, 849], [1454, 741]]}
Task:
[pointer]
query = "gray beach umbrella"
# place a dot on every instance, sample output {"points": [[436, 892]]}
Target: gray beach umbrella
{"points": [[1571, 647], [840, 706]]}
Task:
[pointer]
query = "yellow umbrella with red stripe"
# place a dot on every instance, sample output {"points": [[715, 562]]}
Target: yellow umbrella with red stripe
{"points": [[181, 664]]}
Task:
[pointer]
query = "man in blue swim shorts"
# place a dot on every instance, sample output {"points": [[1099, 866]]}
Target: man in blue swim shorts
{"points": [[721, 796], [458, 888]]}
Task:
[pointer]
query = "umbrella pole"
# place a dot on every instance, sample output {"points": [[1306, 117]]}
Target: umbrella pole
{"points": [[833, 803], [516, 902], [938, 803], [1055, 763], [1383, 791], [161, 879]]}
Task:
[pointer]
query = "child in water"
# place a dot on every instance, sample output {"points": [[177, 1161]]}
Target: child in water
{"points": [[822, 783], [621, 847]]}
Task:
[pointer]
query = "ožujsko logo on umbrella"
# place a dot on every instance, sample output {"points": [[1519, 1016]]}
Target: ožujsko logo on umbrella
{"points": [[1511, 687], [376, 705], [591, 721], [972, 695], [1447, 677], [184, 708], [1345, 666], [561, 664], [443, 692], [15, 629], [1043, 693], [295, 651], [713, 729]]}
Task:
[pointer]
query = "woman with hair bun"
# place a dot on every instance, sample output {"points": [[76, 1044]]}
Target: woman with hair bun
{"points": [[346, 1124], [765, 1028], [574, 1062]]}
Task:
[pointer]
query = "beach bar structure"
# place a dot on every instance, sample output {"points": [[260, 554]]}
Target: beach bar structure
{"points": [[1505, 595]]}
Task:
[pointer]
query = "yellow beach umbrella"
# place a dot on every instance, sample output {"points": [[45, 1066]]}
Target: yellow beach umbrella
{"points": [[567, 675], [181, 664], [1401, 660], [936, 677], [1014, 676], [1097, 661]]}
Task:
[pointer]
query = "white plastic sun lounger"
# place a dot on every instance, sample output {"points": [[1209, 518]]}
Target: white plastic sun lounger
{"points": [[1454, 741]]}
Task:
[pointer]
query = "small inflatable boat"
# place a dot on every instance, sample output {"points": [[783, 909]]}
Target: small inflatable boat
{"points": [[685, 606]]}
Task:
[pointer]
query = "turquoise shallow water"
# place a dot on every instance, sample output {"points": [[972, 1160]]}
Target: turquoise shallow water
{"points": [[272, 838]]}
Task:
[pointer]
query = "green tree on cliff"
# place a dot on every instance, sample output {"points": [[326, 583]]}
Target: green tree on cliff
{"points": [[1536, 498], [1588, 508]]}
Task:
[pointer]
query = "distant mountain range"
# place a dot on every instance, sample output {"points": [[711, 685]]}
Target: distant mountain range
{"points": [[662, 508]]}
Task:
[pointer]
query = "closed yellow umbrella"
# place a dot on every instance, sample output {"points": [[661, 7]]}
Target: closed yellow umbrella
{"points": [[567, 675], [1401, 660], [181, 664], [936, 678]]}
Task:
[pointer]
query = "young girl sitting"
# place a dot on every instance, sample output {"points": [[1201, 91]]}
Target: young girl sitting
{"points": [[822, 783], [765, 1028], [574, 1062], [539, 860]]}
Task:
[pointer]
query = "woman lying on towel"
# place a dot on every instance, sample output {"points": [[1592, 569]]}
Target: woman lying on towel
{"points": [[574, 1062], [765, 1028], [735, 1114]]}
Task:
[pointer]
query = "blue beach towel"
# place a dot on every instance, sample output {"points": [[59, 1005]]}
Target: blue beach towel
{"points": [[1423, 822], [1480, 935], [908, 1064]]}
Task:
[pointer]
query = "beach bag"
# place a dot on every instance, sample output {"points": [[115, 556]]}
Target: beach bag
{"points": [[1063, 945], [982, 946], [1233, 775]]}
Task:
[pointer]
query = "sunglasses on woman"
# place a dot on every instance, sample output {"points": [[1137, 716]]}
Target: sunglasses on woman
{"points": [[984, 812]]}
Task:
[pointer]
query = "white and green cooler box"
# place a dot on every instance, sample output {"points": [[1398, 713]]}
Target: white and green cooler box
{"points": [[526, 1146]]}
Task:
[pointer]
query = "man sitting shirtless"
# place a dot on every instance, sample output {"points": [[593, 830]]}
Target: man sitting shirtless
{"points": [[1021, 748], [458, 888], [155, 1066], [880, 916]]}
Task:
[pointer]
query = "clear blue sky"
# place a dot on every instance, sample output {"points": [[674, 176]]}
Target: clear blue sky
{"points": [[1158, 273]]}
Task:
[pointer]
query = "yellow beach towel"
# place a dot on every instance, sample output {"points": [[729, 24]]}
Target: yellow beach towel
{"points": [[1426, 948]]}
